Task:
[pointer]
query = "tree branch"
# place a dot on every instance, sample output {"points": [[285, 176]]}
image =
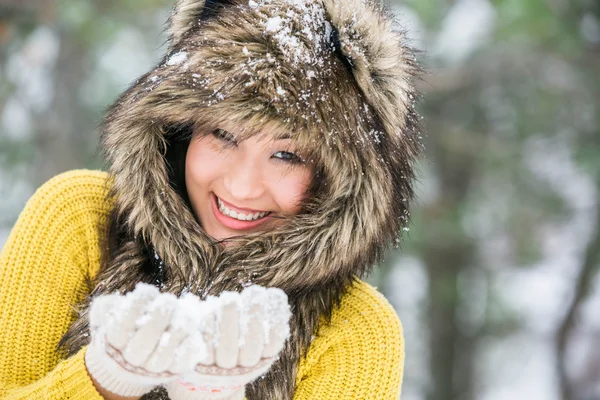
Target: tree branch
{"points": [[582, 289]]}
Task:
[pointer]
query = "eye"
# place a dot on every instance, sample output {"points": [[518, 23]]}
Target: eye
{"points": [[288, 157], [225, 137]]}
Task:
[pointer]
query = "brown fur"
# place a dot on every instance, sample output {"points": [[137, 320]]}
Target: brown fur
{"points": [[354, 117]]}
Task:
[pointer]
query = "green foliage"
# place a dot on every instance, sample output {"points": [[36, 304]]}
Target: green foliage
{"points": [[431, 12], [94, 22], [540, 23], [15, 152]]}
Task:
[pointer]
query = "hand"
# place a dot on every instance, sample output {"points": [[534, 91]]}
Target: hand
{"points": [[244, 333], [141, 338]]}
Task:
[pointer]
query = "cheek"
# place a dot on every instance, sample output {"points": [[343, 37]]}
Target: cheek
{"points": [[291, 189], [201, 167]]}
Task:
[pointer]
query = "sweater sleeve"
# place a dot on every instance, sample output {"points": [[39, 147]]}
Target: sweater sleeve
{"points": [[50, 253], [359, 355]]}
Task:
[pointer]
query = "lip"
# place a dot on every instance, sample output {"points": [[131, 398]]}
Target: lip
{"points": [[238, 209], [233, 223]]}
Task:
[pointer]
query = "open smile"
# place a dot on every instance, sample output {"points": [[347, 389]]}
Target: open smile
{"points": [[237, 218]]}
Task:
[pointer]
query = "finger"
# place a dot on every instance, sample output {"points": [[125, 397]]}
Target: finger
{"points": [[162, 356], [226, 352], [101, 310], [153, 322], [278, 312], [189, 353], [252, 326], [126, 313], [183, 323], [208, 326]]}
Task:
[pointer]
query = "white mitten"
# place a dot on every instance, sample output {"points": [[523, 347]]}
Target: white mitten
{"points": [[137, 338], [244, 333]]}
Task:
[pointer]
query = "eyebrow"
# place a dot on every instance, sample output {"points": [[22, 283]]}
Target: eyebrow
{"points": [[284, 136]]}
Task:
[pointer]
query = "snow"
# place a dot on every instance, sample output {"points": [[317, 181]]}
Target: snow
{"points": [[311, 16], [194, 326], [273, 24], [164, 339], [177, 58], [143, 320]]}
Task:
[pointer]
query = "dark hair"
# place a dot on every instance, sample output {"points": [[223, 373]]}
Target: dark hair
{"points": [[179, 138]]}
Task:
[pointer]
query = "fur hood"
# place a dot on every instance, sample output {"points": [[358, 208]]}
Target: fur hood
{"points": [[334, 75]]}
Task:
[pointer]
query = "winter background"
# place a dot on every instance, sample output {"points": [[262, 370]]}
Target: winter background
{"points": [[496, 282]]}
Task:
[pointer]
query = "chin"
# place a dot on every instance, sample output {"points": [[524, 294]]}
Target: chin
{"points": [[221, 234]]}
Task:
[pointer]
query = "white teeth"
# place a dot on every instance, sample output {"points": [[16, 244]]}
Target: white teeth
{"points": [[240, 216]]}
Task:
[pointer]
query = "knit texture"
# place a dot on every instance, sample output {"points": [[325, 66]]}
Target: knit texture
{"points": [[52, 252]]}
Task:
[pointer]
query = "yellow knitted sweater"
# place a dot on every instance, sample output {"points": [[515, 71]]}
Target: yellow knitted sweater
{"points": [[53, 249]]}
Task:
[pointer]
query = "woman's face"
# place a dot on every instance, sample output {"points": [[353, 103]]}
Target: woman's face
{"points": [[239, 187]]}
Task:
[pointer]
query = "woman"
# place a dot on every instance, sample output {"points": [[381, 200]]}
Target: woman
{"points": [[295, 114]]}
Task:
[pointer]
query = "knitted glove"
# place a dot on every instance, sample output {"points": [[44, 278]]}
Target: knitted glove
{"points": [[137, 338], [244, 333]]}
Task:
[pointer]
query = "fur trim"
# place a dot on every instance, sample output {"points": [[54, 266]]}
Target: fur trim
{"points": [[184, 14], [331, 72]]}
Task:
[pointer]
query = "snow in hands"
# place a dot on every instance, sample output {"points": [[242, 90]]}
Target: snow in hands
{"points": [[147, 337]]}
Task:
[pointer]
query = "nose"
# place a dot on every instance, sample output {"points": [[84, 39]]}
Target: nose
{"points": [[244, 179]]}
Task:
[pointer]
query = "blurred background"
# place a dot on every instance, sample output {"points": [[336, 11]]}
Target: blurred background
{"points": [[496, 281]]}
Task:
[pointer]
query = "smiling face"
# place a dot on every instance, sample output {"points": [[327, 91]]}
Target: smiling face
{"points": [[238, 187]]}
